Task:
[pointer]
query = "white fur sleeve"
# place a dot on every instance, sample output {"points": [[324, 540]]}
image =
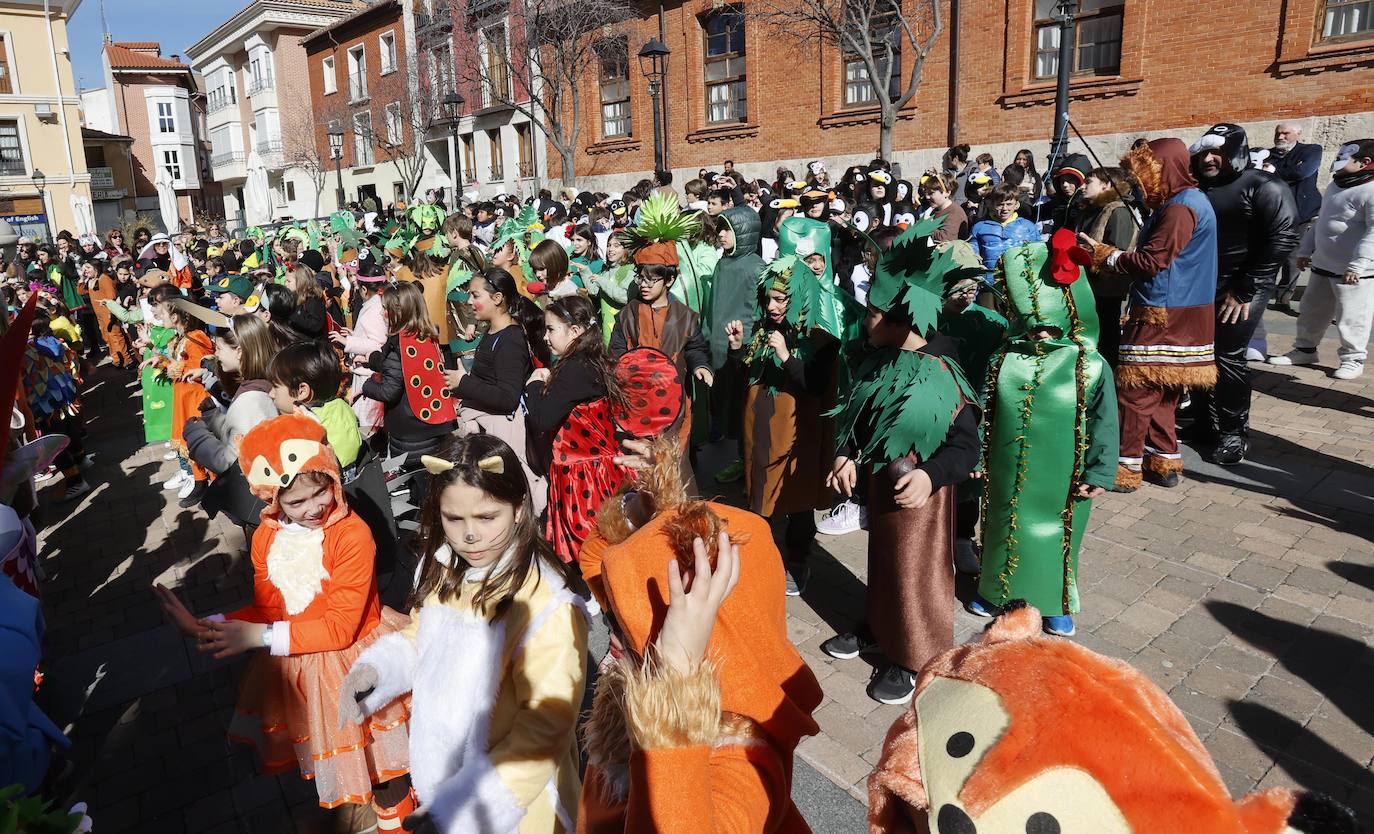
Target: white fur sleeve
{"points": [[394, 657], [475, 799]]}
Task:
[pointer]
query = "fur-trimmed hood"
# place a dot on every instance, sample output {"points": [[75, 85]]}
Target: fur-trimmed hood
{"points": [[1162, 167]]}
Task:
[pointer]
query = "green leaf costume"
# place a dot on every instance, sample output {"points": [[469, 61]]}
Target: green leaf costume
{"points": [[1051, 424]]}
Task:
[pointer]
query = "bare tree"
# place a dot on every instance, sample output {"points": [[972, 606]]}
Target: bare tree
{"points": [[405, 122], [302, 151], [875, 33], [542, 63]]}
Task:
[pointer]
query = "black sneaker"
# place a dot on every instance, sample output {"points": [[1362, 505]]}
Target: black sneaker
{"points": [[797, 579], [1230, 450], [848, 645], [892, 685], [197, 493], [1167, 479]]}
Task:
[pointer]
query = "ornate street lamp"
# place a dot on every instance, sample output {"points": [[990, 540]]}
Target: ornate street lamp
{"points": [[39, 180], [653, 63], [336, 137], [454, 103]]}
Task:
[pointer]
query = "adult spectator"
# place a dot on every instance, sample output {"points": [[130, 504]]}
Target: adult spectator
{"points": [[1025, 160], [1256, 217], [1108, 219], [955, 163], [1339, 247], [1166, 338], [1296, 163]]}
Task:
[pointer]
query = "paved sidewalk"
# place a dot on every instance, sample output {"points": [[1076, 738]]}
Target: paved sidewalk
{"points": [[1247, 593]]}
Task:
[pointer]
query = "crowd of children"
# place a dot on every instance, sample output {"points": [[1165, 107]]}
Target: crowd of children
{"points": [[542, 378]]}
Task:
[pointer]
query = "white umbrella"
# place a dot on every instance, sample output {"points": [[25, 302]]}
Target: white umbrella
{"points": [[83, 214], [167, 201], [257, 193]]}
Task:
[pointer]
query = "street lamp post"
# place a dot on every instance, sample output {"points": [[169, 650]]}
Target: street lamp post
{"points": [[39, 180], [653, 62], [1064, 12], [454, 102], [336, 137]]}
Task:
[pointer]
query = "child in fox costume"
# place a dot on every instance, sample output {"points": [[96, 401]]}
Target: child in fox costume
{"points": [[315, 608], [991, 745], [704, 746]]}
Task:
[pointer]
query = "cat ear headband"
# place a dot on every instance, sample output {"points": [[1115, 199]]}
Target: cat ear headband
{"points": [[494, 464]]}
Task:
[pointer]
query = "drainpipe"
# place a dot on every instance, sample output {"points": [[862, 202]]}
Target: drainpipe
{"points": [[953, 137], [61, 105]]}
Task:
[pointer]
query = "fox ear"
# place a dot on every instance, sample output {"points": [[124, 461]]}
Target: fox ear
{"points": [[1018, 621], [896, 791], [1317, 813]]}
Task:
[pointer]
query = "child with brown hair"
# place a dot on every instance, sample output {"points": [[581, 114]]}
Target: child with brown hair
{"points": [[549, 265], [418, 407], [309, 318], [188, 350], [305, 379]]}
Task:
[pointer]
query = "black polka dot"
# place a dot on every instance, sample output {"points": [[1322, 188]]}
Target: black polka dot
{"points": [[585, 433], [426, 391], [1042, 823], [267, 471], [665, 411], [285, 479], [586, 493], [959, 745], [661, 392]]}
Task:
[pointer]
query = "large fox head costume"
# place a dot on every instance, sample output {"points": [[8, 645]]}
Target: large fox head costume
{"points": [[1025, 734], [275, 452]]}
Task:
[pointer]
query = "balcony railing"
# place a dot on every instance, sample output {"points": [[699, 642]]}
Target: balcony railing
{"points": [[269, 147], [221, 159], [357, 87], [217, 104], [258, 85], [526, 170], [498, 173]]}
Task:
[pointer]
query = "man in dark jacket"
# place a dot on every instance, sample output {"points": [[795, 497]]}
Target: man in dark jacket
{"points": [[1296, 163], [1256, 231]]}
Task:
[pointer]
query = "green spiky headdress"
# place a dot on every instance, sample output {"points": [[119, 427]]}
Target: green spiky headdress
{"points": [[910, 279], [653, 240], [515, 229]]}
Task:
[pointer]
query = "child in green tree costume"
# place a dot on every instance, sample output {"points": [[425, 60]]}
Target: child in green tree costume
{"points": [[909, 424], [1051, 436]]}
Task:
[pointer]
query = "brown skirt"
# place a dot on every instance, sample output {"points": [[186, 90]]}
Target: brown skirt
{"points": [[910, 574], [788, 450]]}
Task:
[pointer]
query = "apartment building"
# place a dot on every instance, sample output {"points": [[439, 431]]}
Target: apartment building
{"points": [[259, 119], [734, 89], [44, 184], [154, 100]]}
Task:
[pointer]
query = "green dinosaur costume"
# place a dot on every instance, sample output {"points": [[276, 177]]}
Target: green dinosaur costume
{"points": [[696, 262], [427, 221], [734, 286], [157, 390], [1051, 424], [613, 288]]}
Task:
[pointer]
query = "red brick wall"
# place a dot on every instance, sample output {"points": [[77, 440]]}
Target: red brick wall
{"points": [[1182, 66], [132, 111], [382, 90]]}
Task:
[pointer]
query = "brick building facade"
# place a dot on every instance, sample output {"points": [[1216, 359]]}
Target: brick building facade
{"points": [[1144, 69]]}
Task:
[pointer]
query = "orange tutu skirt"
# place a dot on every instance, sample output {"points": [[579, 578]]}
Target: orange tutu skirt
{"points": [[288, 710]]}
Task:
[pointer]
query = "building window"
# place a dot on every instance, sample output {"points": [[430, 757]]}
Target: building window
{"points": [[523, 141], [441, 72], [357, 74], [1097, 43], [726, 99], [6, 82], [388, 49], [615, 87], [331, 81], [362, 139], [171, 160], [498, 167], [260, 72], [497, 63], [166, 122], [886, 40], [469, 157], [290, 189], [1346, 20], [395, 132], [222, 93], [11, 151], [398, 192]]}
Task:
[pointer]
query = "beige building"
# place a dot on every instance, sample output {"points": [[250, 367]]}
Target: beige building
{"points": [[258, 114], [44, 185]]}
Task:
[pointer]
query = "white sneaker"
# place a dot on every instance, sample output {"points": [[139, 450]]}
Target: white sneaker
{"points": [[844, 518], [170, 456], [1253, 355], [966, 557], [1349, 369], [1294, 357], [176, 480], [186, 487]]}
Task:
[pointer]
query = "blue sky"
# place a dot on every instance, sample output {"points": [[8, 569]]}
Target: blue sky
{"points": [[175, 23]]}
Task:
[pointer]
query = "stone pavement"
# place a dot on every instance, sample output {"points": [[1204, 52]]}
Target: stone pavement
{"points": [[1247, 593]]}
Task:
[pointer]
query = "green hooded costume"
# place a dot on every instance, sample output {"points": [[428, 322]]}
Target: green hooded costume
{"points": [[733, 296], [1051, 420]]}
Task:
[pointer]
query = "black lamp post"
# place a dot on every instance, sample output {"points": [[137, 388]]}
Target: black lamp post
{"points": [[40, 179], [454, 103], [336, 137], [1064, 12], [653, 63]]}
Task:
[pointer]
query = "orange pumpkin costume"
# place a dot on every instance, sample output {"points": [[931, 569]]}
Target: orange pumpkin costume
{"points": [[1024, 732], [317, 588], [710, 751]]}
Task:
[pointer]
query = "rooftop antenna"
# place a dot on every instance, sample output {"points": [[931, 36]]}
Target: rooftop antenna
{"points": [[104, 23]]}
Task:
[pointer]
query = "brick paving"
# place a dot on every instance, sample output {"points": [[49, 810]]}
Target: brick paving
{"points": [[1247, 593]]}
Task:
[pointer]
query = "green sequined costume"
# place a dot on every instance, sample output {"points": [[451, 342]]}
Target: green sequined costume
{"points": [[1051, 424], [157, 390]]}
